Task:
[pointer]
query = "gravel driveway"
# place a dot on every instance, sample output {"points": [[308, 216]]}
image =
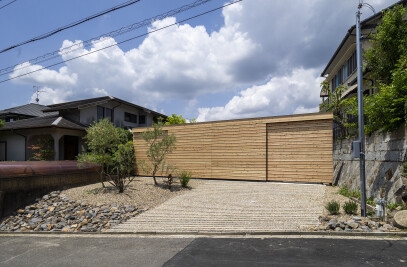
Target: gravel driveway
{"points": [[234, 206]]}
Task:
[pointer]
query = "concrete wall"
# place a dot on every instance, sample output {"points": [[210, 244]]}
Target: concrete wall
{"points": [[385, 154], [15, 145]]}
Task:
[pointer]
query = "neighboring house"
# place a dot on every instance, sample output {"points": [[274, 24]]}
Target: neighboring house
{"points": [[66, 123], [341, 69]]}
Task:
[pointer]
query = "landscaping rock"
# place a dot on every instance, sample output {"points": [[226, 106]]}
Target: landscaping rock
{"points": [[400, 219], [356, 224], [55, 212]]}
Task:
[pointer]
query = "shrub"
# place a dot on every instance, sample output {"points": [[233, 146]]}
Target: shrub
{"points": [[350, 207], [333, 207], [184, 178], [393, 206], [344, 191]]}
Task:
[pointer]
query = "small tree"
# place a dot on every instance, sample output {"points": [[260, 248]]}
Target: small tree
{"points": [[43, 148], [2, 123], [160, 144], [388, 45], [175, 119], [109, 147]]}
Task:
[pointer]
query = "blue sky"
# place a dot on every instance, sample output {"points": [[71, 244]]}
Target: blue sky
{"points": [[254, 58]]}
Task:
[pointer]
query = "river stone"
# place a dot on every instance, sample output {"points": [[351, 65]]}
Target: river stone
{"points": [[400, 219]]}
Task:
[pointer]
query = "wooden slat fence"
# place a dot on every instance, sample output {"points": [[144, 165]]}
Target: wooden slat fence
{"points": [[283, 148]]}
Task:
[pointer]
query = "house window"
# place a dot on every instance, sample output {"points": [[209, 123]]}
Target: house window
{"points": [[109, 113], [103, 112], [130, 117], [142, 119]]}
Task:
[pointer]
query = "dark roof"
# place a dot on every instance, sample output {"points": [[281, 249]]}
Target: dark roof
{"points": [[95, 101], [41, 122], [34, 110], [351, 29]]}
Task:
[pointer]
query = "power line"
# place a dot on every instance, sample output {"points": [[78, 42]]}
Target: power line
{"points": [[94, 40], [73, 24], [124, 41], [7, 4]]}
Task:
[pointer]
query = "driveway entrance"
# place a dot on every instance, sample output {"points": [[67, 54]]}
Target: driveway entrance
{"points": [[234, 206]]}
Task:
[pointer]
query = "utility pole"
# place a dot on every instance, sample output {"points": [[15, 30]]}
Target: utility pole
{"points": [[361, 114]]}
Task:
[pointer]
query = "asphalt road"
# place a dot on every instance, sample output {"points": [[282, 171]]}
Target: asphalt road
{"points": [[137, 251]]}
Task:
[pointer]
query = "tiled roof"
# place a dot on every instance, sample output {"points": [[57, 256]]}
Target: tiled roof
{"points": [[96, 101], [41, 122], [35, 110]]}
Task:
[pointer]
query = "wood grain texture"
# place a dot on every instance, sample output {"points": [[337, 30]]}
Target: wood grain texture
{"points": [[284, 148]]}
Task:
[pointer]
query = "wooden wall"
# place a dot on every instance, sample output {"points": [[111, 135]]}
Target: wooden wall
{"points": [[240, 149]]}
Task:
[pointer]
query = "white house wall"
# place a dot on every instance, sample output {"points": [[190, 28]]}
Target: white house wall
{"points": [[15, 146]]}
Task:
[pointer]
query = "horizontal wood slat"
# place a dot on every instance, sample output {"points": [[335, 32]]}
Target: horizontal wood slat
{"points": [[300, 151], [241, 149]]}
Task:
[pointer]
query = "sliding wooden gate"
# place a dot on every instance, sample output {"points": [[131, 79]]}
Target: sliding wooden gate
{"points": [[285, 148]]}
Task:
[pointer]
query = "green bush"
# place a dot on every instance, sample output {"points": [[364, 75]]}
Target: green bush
{"points": [[350, 207], [393, 206], [333, 207], [344, 191], [184, 178]]}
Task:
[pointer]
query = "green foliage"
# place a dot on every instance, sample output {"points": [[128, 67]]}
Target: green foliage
{"points": [[43, 148], [175, 119], [388, 45], [370, 201], [339, 107], [350, 207], [333, 207], [386, 62], [394, 206], [2, 123], [371, 213], [344, 191], [184, 178], [109, 147], [160, 144], [405, 169]]}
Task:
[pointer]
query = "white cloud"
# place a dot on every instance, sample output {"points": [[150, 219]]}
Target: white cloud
{"points": [[260, 42], [297, 92], [179, 62]]}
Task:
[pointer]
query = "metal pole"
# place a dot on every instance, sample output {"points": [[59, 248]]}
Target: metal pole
{"points": [[361, 119]]}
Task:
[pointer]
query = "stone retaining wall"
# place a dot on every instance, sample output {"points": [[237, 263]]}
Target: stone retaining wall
{"points": [[385, 155]]}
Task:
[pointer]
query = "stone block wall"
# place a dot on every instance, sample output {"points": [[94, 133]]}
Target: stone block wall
{"points": [[385, 157]]}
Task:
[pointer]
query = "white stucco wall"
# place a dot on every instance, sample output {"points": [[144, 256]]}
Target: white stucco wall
{"points": [[15, 146], [88, 115]]}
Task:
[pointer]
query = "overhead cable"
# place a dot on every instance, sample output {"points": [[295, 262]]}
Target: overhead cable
{"points": [[73, 24], [7, 4], [98, 39], [121, 42]]}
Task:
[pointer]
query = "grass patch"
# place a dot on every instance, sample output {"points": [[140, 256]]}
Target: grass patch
{"points": [[350, 207], [345, 191], [333, 207]]}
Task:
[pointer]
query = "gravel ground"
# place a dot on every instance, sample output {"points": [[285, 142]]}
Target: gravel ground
{"points": [[141, 193]]}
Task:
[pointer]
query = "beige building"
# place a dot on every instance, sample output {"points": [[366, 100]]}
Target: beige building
{"points": [[65, 125], [341, 68]]}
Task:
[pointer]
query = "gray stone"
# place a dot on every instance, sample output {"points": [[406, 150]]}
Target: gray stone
{"points": [[353, 225], [356, 219], [400, 219]]}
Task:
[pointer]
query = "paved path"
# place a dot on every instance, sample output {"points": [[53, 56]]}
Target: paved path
{"points": [[99, 250], [234, 206]]}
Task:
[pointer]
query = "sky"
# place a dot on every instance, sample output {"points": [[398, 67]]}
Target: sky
{"points": [[250, 59]]}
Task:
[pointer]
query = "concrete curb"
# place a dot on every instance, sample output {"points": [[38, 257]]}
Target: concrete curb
{"points": [[214, 234]]}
